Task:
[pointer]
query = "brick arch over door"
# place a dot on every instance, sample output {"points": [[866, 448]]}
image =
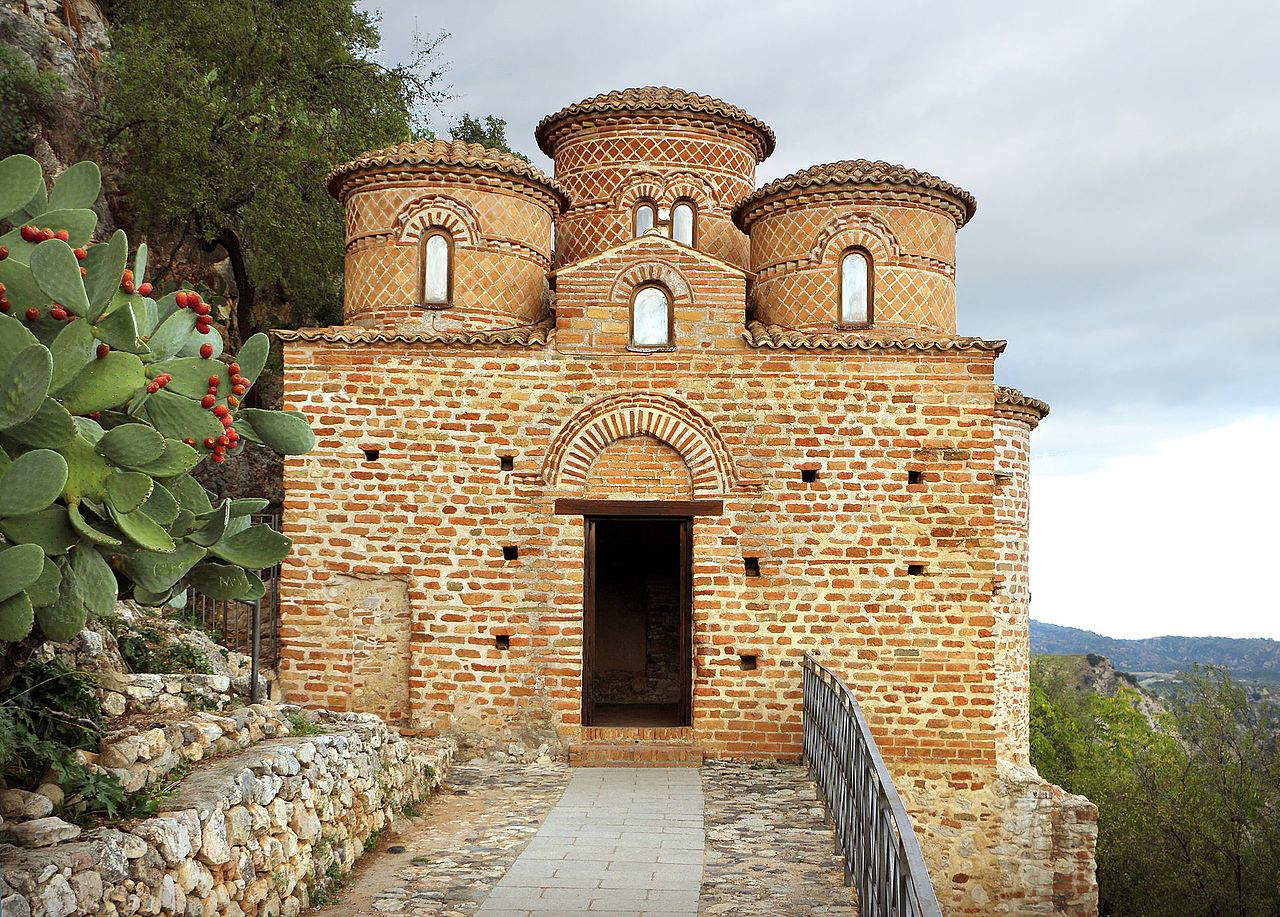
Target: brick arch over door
{"points": [[588, 433]]}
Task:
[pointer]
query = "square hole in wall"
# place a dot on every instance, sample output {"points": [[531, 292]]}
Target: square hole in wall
{"points": [[510, 552], [808, 475], [915, 569], [751, 565], [502, 641], [749, 662], [371, 455], [915, 476], [507, 462]]}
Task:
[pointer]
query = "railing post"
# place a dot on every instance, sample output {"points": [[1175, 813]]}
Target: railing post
{"points": [[257, 648]]}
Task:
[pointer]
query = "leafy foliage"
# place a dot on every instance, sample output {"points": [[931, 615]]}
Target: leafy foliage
{"points": [[47, 713], [490, 131], [259, 98], [148, 649], [26, 95], [1188, 808], [108, 399]]}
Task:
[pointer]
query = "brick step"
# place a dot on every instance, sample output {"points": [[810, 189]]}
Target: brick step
{"points": [[627, 735], [635, 754]]}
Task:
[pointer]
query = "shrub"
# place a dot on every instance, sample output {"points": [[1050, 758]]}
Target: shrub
{"points": [[108, 399], [25, 95]]}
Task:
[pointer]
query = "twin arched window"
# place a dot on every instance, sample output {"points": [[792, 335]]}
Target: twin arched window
{"points": [[684, 219], [435, 267], [651, 318], [856, 286]]}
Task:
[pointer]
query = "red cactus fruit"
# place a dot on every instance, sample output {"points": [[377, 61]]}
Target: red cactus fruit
{"points": [[4, 252], [214, 381], [206, 351], [145, 289], [234, 369], [63, 235], [210, 442], [227, 420], [33, 314], [224, 440], [94, 415], [237, 389], [80, 253], [201, 308], [180, 298], [5, 305], [58, 313], [29, 234], [103, 350], [220, 410], [189, 441], [153, 387], [46, 235], [233, 401], [207, 401], [219, 457]]}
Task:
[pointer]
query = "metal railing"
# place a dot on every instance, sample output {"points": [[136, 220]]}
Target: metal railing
{"points": [[882, 857], [252, 628]]}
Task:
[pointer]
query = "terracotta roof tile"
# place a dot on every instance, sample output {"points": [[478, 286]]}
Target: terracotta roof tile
{"points": [[655, 99], [758, 334], [1012, 403], [860, 172], [448, 153], [524, 336]]}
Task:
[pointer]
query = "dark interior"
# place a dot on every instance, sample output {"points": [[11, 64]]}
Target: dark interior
{"points": [[636, 676]]}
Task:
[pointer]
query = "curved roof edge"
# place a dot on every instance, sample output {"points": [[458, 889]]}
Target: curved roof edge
{"points": [[859, 173], [656, 99]]}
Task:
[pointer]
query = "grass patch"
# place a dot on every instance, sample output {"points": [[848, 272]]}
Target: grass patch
{"points": [[299, 725]]}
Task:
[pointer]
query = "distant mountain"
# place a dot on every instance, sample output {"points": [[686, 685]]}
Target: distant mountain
{"points": [[1247, 657]]}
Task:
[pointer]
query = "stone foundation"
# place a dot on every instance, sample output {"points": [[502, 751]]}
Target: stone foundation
{"points": [[1015, 844], [253, 833]]}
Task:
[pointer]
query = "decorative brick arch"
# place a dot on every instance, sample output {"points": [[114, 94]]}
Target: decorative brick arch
{"points": [[650, 272], [437, 210], [593, 429], [692, 186], [865, 230], [640, 184]]}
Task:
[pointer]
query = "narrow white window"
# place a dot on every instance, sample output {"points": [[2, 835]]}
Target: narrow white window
{"points": [[435, 269], [682, 216], [644, 218], [855, 289], [651, 318]]}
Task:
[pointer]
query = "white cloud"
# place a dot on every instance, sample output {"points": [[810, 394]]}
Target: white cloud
{"points": [[1181, 539]]}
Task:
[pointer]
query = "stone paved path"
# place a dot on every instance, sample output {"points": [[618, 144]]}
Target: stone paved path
{"points": [[620, 841], [504, 838]]}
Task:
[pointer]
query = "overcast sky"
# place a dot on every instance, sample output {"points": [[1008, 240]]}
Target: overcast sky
{"points": [[1125, 157]]}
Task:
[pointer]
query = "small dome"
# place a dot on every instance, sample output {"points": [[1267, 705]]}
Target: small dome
{"points": [[656, 99], [447, 153], [861, 173]]}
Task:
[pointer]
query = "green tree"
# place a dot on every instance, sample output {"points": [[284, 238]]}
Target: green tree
{"points": [[1188, 808], [489, 131], [230, 113]]}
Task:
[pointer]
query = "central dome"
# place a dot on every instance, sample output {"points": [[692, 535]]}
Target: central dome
{"points": [[656, 99]]}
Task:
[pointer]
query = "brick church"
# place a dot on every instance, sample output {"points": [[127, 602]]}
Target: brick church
{"points": [[601, 456]]}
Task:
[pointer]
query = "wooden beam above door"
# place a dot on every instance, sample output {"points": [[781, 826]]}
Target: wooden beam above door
{"points": [[569, 506]]}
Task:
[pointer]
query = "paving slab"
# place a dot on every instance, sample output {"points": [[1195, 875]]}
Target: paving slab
{"points": [[599, 850]]}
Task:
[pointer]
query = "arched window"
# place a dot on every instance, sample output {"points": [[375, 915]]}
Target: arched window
{"points": [[435, 255], [644, 215], [855, 287], [651, 317], [684, 222]]}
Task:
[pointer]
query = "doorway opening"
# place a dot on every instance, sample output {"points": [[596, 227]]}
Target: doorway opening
{"points": [[637, 651]]}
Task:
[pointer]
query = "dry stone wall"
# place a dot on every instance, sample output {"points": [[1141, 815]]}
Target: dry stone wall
{"points": [[255, 832]]}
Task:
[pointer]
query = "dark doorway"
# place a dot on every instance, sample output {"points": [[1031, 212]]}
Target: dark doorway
{"points": [[637, 654]]}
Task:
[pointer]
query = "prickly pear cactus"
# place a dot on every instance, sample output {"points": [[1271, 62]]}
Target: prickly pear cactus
{"points": [[108, 399]]}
